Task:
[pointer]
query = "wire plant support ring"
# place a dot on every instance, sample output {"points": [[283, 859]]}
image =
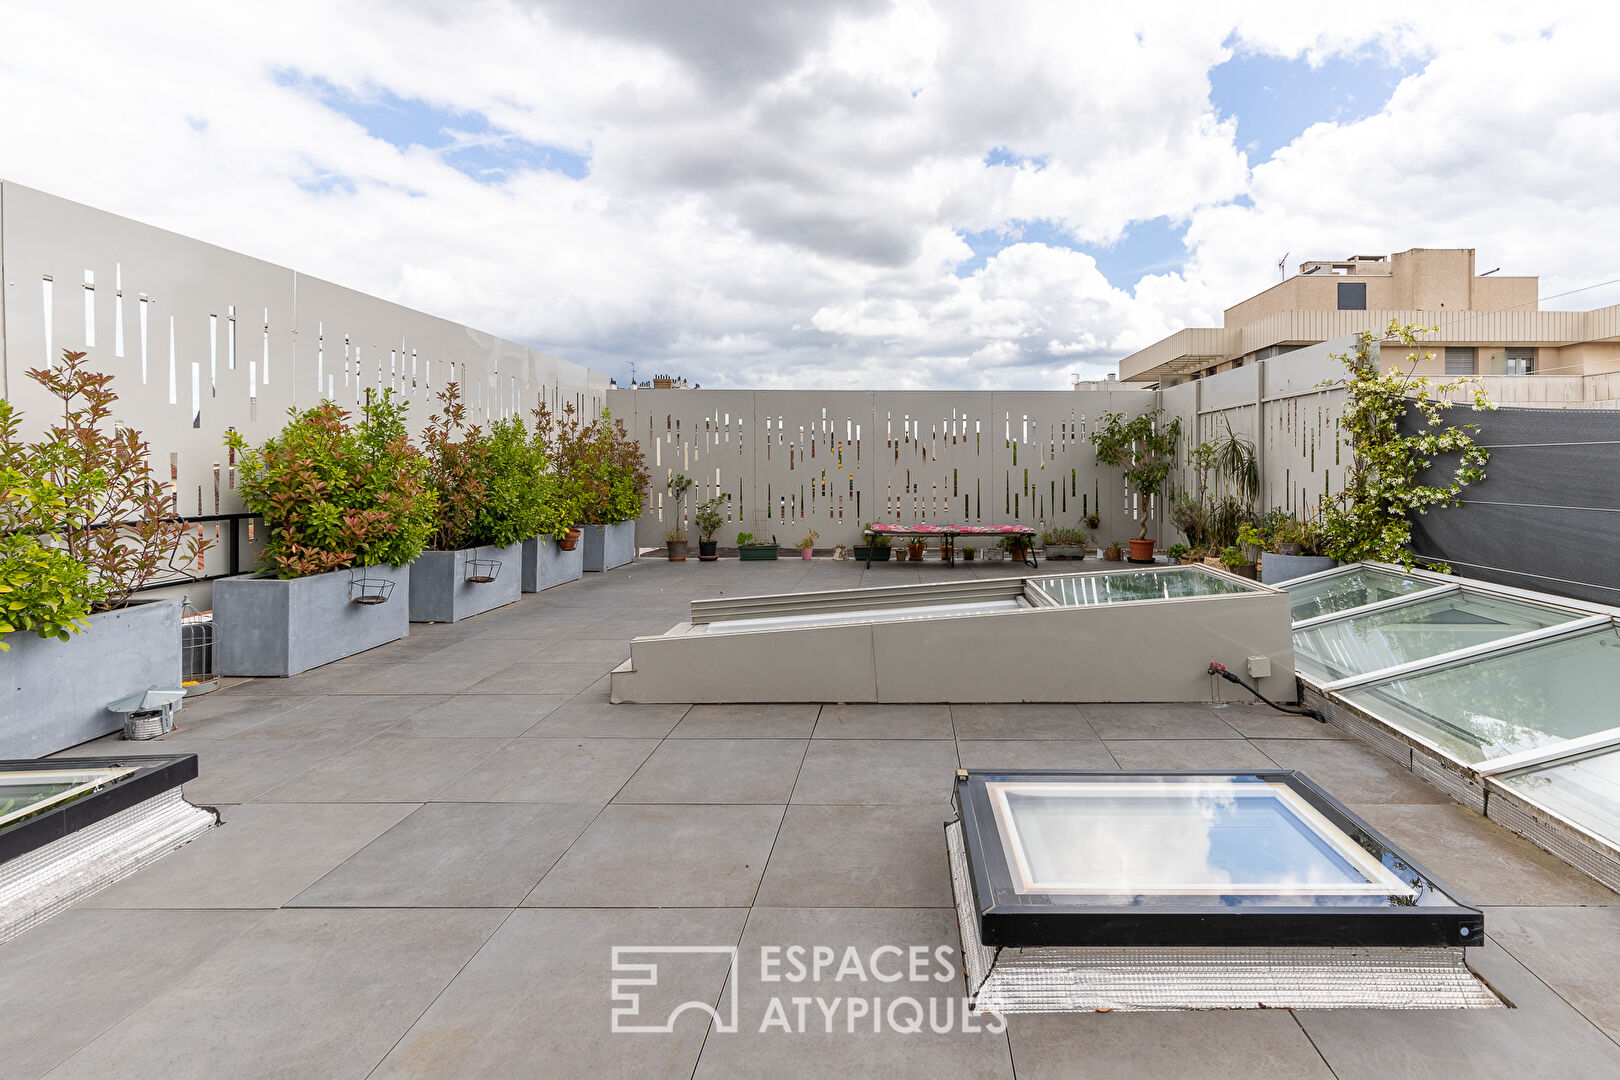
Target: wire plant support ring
{"points": [[370, 591], [483, 571]]}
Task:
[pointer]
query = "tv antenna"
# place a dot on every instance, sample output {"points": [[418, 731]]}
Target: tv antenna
{"points": [[1282, 266]]}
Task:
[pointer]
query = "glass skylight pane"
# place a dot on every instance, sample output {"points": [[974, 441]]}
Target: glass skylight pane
{"points": [[1507, 703], [1353, 589], [1219, 836], [1586, 790], [861, 615], [1082, 589], [1381, 639], [27, 792]]}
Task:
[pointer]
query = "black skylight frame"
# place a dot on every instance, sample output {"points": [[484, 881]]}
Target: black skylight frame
{"points": [[153, 776], [1010, 919]]}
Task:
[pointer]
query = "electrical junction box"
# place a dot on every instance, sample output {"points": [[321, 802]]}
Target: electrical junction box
{"points": [[1259, 667]]}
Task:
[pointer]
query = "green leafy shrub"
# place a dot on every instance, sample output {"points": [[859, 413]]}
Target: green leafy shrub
{"points": [[1144, 447], [335, 495], [1371, 517], [83, 523], [708, 518], [601, 468], [1178, 551], [1065, 537], [520, 500]]}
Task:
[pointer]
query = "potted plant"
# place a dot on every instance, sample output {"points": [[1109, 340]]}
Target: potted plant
{"points": [[1295, 549], [486, 490], [1065, 543], [609, 472], [1093, 521], [1235, 561], [552, 556], [947, 550], [1180, 552], [675, 535], [752, 550], [969, 552], [807, 544], [1016, 545], [708, 520], [915, 548], [1114, 552], [877, 546], [1144, 447], [72, 637]]}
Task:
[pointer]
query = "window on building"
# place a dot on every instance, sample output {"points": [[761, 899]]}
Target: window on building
{"points": [[1520, 361], [1459, 360], [1352, 296]]}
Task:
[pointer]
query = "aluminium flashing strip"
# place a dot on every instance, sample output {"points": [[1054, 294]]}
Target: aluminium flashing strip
{"points": [[1286, 852]]}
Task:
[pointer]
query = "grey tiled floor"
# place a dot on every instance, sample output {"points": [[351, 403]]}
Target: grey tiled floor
{"points": [[430, 850]]}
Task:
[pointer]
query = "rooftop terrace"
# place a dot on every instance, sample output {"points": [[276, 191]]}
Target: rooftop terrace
{"points": [[430, 849]]}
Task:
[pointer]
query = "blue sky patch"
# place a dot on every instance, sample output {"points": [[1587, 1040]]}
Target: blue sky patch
{"points": [[1000, 155], [1275, 99], [466, 141], [1148, 247]]}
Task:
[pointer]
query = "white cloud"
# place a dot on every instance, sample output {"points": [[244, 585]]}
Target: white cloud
{"points": [[776, 192]]}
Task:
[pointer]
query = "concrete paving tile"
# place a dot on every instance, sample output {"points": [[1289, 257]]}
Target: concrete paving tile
{"points": [[717, 771], [758, 721], [1157, 721], [552, 771], [263, 855], [1229, 1045], [1213, 754], [71, 978], [424, 677], [593, 716], [1540, 1037], [273, 1004], [481, 716], [387, 768], [884, 722], [239, 771], [454, 855], [489, 651], [664, 856], [1351, 771], [606, 653], [220, 714], [535, 1001], [1263, 722], [810, 1051], [1483, 862], [538, 677], [344, 719], [1034, 754], [1020, 721], [1574, 950], [859, 856], [914, 772]]}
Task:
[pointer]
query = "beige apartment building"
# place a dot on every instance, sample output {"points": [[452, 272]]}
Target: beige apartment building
{"points": [[1489, 325]]}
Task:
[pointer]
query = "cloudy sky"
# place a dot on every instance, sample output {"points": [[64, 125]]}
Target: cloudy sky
{"points": [[841, 193]]}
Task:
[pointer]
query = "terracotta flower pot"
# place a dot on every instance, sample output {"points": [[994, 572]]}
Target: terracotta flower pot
{"points": [[567, 541], [1141, 550]]}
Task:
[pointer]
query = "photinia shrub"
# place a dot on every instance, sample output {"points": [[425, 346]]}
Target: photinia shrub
{"points": [[83, 523], [336, 495], [602, 470]]}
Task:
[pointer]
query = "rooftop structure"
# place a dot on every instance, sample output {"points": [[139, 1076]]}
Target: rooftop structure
{"points": [[1489, 323]]}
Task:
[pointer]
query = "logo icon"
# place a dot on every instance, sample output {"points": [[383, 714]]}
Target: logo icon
{"points": [[629, 976]]}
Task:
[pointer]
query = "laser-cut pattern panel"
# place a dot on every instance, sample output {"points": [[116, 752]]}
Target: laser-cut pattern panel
{"points": [[200, 339], [828, 460]]}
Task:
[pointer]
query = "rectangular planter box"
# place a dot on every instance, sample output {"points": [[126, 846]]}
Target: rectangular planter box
{"points": [[1065, 551], [56, 692], [878, 554], [1277, 568], [440, 591], [267, 626], [546, 565], [758, 552], [607, 546]]}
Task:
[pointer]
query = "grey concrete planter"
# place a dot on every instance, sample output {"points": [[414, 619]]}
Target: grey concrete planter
{"points": [[268, 626], [56, 692], [546, 565], [1276, 568], [440, 591], [607, 546]]}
